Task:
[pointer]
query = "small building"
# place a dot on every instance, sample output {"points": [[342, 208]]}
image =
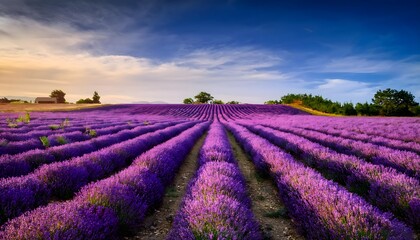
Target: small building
{"points": [[45, 100]]}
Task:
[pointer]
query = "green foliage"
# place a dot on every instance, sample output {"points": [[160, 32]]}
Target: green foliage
{"points": [[45, 142], [5, 100], [61, 140], [91, 132], [203, 97], [348, 109], [188, 101], [13, 123], [54, 127], [388, 102], [64, 124], [59, 94], [232, 102], [319, 103], [391, 102], [366, 109], [25, 118], [217, 101], [84, 101], [96, 97], [270, 102]]}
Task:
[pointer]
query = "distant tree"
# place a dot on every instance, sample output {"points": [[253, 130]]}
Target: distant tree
{"points": [[348, 109], [188, 101], [4, 100], [217, 101], [59, 95], [391, 102], [84, 101], [232, 102], [272, 102], [203, 97], [96, 97]]}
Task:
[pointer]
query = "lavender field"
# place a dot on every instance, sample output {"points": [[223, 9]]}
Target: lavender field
{"points": [[104, 173]]}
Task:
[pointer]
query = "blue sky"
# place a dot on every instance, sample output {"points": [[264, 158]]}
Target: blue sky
{"points": [[249, 51]]}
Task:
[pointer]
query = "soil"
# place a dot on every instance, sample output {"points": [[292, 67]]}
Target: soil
{"points": [[158, 223], [267, 206], [32, 107]]}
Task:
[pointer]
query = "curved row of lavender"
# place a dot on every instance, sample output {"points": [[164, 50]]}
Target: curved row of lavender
{"points": [[404, 161], [216, 204], [76, 134], [48, 129], [113, 206], [61, 180], [341, 131], [383, 186], [321, 208], [26, 162]]}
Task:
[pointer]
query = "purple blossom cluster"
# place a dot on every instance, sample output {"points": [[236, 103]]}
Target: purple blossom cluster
{"points": [[216, 205], [24, 163], [45, 130], [404, 161], [108, 208], [62, 180], [341, 131], [383, 186], [322, 208]]}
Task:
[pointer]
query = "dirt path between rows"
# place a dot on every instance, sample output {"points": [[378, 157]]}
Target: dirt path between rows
{"points": [[157, 225], [267, 206]]}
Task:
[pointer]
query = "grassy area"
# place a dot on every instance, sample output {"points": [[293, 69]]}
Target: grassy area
{"points": [[32, 107], [312, 111]]}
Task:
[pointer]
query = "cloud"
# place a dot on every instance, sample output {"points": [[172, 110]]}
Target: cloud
{"points": [[346, 90], [371, 64], [39, 56]]}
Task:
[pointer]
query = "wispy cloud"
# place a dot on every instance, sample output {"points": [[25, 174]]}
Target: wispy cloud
{"points": [[38, 56], [346, 90]]}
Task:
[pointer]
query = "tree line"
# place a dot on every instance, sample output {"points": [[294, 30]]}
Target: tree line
{"points": [[60, 96], [388, 102], [205, 97]]}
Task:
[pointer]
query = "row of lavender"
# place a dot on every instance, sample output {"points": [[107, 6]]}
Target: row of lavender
{"points": [[26, 162], [404, 161], [321, 208], [112, 206], [382, 186], [41, 139], [62, 179], [216, 205]]}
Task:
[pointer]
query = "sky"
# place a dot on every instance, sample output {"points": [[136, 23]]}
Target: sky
{"points": [[247, 51]]}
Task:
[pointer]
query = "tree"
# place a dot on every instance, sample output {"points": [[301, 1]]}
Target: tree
{"points": [[188, 101], [232, 102], [86, 100], [391, 102], [269, 102], [96, 97], [203, 97], [59, 95], [217, 101], [348, 109]]}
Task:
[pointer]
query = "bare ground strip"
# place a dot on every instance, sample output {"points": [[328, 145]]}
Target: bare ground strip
{"points": [[267, 206], [157, 225]]}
